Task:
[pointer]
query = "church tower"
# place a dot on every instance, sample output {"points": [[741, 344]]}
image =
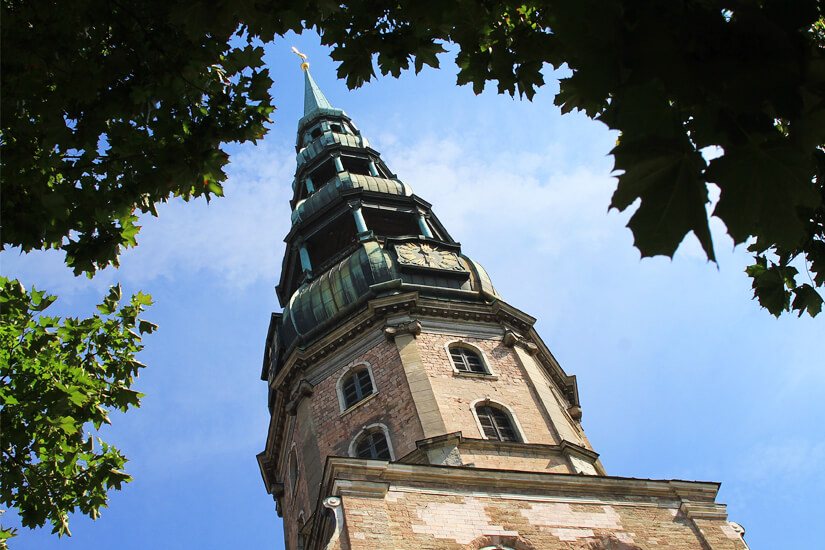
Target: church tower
{"points": [[411, 406]]}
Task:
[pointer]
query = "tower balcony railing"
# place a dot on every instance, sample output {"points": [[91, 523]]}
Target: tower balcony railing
{"points": [[342, 182], [328, 138], [333, 260]]}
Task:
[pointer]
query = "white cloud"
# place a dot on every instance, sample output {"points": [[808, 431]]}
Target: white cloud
{"points": [[486, 195], [793, 460], [237, 239], [526, 194]]}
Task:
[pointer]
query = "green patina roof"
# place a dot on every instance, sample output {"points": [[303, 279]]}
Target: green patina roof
{"points": [[316, 103], [341, 182], [334, 294], [314, 98], [373, 268]]}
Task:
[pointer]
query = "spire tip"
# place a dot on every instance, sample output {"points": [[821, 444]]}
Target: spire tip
{"points": [[305, 64]]}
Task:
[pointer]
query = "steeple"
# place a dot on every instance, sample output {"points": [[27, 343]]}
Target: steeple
{"points": [[356, 226], [314, 98], [411, 400]]}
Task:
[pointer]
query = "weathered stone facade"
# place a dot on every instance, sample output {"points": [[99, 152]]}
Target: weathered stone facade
{"points": [[412, 408], [424, 508]]}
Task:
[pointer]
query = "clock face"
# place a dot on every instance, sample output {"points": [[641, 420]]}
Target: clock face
{"points": [[427, 255]]}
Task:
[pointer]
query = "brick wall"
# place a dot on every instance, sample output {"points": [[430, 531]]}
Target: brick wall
{"points": [[428, 520], [456, 392], [515, 460], [319, 423], [392, 406]]}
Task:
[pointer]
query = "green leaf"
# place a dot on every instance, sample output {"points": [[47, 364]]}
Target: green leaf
{"points": [[816, 255], [78, 396], [806, 298], [145, 327], [6, 534], [578, 93], [666, 176], [769, 286], [68, 425], [765, 190], [643, 110]]}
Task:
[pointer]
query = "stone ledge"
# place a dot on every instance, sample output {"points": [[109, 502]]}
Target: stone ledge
{"points": [[494, 481]]}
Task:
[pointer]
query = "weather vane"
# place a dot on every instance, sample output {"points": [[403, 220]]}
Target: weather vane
{"points": [[305, 64]]}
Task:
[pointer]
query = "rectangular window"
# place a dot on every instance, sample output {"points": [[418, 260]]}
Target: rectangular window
{"points": [[466, 360]]}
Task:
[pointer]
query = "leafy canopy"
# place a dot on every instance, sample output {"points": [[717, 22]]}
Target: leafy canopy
{"points": [[744, 77], [111, 107], [56, 376]]}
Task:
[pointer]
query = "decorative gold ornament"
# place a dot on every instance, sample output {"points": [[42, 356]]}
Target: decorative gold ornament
{"points": [[305, 64], [427, 255]]}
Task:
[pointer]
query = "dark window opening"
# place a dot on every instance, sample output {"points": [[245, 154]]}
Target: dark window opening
{"points": [[329, 241], [323, 174], [496, 424], [357, 385], [294, 282], [301, 189], [373, 445], [391, 223], [356, 165], [293, 471], [337, 128], [467, 360], [315, 133]]}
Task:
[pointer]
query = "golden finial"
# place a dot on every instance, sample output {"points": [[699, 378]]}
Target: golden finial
{"points": [[305, 64]]}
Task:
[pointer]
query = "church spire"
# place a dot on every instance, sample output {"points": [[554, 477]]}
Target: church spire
{"points": [[314, 98]]}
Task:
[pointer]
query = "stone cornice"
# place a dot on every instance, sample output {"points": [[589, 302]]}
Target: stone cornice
{"points": [[474, 444], [374, 478], [700, 495]]}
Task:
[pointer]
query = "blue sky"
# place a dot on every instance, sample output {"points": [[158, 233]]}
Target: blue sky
{"points": [[681, 375]]}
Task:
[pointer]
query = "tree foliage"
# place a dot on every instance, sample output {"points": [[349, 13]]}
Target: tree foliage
{"points": [[56, 377], [111, 107], [744, 79]]}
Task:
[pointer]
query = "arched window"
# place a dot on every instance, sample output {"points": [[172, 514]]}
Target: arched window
{"points": [[354, 386], [372, 443], [497, 542], [293, 470], [496, 423], [466, 359]]}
